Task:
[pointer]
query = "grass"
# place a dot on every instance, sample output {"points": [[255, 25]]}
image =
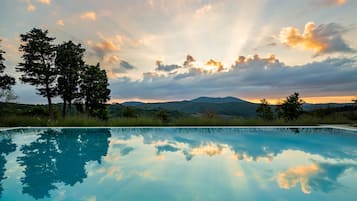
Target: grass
{"points": [[85, 121]]}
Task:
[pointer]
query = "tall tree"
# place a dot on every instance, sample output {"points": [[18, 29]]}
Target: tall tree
{"points": [[291, 108], [6, 82], [264, 110], [95, 91], [69, 62], [38, 67]]}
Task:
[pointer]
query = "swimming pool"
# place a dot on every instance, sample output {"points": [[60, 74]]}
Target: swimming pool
{"points": [[111, 164]]}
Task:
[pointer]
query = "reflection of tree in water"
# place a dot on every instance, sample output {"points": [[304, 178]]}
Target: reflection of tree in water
{"points": [[60, 156], [6, 147]]}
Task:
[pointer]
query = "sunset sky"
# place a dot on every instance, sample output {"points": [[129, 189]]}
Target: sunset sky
{"points": [[159, 50]]}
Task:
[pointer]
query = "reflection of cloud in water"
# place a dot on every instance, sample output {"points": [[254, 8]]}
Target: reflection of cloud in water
{"points": [[210, 149], [314, 177], [301, 174]]}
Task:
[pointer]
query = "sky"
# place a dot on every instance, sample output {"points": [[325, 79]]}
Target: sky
{"points": [[165, 50]]}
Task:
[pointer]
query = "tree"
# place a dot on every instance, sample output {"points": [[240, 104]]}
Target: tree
{"points": [[95, 91], [6, 82], [129, 112], [291, 108], [69, 62], [38, 63], [163, 115], [264, 110]]}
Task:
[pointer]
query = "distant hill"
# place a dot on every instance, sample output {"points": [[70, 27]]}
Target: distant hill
{"points": [[224, 106], [132, 103], [228, 99]]}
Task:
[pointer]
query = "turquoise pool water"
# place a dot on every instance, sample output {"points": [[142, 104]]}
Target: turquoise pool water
{"points": [[154, 164]]}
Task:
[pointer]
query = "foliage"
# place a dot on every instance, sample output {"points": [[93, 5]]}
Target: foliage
{"points": [[69, 62], [264, 111], [291, 108], [6, 82], [209, 114], [95, 91], [38, 67], [129, 112], [163, 115]]}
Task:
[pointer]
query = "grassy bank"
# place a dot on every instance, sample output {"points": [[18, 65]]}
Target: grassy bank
{"points": [[85, 121]]}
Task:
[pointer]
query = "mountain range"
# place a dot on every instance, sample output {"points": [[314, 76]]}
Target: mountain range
{"points": [[224, 106]]}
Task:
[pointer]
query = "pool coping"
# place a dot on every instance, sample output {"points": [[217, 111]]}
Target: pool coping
{"points": [[340, 127]]}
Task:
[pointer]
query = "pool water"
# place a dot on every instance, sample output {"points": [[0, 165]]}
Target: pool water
{"points": [[154, 164]]}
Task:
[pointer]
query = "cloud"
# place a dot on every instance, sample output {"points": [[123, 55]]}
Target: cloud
{"points": [[111, 59], [166, 68], [189, 60], [60, 22], [31, 7], [45, 1], [106, 45], [330, 2], [126, 65], [215, 63], [322, 39], [203, 10], [242, 60], [318, 177], [301, 174], [89, 16], [115, 66], [248, 77]]}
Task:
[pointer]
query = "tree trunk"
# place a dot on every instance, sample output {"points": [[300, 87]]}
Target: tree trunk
{"points": [[70, 106], [50, 106], [64, 108]]}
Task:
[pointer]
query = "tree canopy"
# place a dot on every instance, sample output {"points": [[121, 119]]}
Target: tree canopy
{"points": [[70, 64], [6, 82], [291, 108], [264, 110], [95, 91], [38, 66]]}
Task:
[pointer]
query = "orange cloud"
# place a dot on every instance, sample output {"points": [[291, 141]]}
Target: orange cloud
{"points": [[291, 36], [89, 16], [209, 149], [325, 38], [332, 2], [106, 45], [31, 8], [301, 174], [271, 58], [215, 63], [60, 22], [45, 1]]}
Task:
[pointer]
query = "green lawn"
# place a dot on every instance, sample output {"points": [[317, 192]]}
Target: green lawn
{"points": [[78, 121]]}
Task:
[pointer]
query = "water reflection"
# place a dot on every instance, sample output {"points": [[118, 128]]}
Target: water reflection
{"points": [[60, 156], [6, 147], [314, 177], [178, 164]]}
